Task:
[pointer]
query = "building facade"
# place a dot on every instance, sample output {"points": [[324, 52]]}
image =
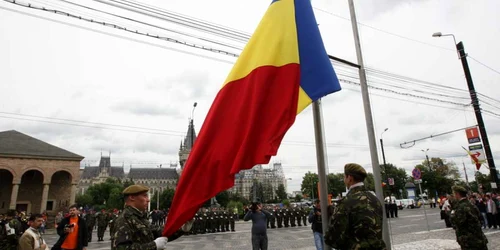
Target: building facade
{"points": [[270, 178], [36, 176], [157, 179]]}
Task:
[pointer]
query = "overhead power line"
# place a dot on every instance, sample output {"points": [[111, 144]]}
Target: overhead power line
{"points": [[380, 75]]}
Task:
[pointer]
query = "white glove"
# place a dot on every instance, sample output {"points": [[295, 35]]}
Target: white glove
{"points": [[161, 243]]}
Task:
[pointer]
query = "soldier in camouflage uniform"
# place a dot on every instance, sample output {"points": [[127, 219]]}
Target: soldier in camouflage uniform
{"points": [[357, 220], [465, 219], [90, 219], [304, 215], [133, 229], [102, 223], [112, 220], [10, 232]]}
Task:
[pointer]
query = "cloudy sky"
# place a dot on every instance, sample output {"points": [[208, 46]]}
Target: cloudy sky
{"points": [[91, 88]]}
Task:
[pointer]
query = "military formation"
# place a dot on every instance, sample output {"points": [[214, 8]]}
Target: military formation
{"points": [[355, 222]]}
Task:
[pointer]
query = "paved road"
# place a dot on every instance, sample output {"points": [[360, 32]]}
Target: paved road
{"points": [[409, 232]]}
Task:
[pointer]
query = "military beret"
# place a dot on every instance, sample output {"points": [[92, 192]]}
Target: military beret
{"points": [[459, 189], [135, 189], [354, 169]]}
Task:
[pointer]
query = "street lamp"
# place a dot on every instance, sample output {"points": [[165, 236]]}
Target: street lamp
{"points": [[385, 165], [475, 104], [427, 157]]}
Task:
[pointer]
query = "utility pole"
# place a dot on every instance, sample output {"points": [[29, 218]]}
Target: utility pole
{"points": [[477, 111], [466, 177], [385, 164], [372, 142]]}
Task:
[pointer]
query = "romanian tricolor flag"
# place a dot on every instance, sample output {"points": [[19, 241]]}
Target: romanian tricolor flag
{"points": [[474, 159], [283, 68]]}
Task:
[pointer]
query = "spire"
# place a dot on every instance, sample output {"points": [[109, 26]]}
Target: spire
{"points": [[180, 148], [190, 136]]}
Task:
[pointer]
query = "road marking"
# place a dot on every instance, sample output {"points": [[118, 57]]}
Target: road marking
{"points": [[431, 231], [489, 233], [409, 225]]}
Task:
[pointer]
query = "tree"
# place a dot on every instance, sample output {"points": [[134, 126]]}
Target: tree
{"points": [[400, 178], [286, 203], [223, 198], [336, 185], [298, 198], [309, 185], [370, 182], [259, 192], [107, 193], [128, 182], [235, 204], [84, 200], [267, 189], [281, 192], [238, 198], [481, 179], [438, 175]]}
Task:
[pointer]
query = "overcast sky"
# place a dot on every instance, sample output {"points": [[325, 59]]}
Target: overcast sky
{"points": [[55, 70]]}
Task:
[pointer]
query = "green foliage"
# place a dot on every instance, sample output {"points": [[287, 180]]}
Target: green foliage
{"points": [[128, 182], [400, 179], [235, 204], [370, 182], [166, 198], [223, 198], [238, 198], [258, 192], [298, 198], [481, 179], [438, 175], [309, 185], [107, 194], [281, 192], [286, 203], [84, 199], [336, 185]]}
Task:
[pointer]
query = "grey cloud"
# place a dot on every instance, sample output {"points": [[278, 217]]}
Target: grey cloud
{"points": [[151, 108], [370, 9], [189, 84]]}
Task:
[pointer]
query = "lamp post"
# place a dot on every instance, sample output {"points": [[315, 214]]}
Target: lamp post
{"points": [[475, 104], [427, 157], [192, 124], [385, 165]]}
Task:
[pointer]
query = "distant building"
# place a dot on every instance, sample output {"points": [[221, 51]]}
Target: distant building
{"points": [[157, 179], [36, 176], [295, 193], [269, 177]]}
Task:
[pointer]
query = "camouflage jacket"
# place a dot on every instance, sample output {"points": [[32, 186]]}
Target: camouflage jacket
{"points": [[134, 232], [356, 222], [465, 218]]}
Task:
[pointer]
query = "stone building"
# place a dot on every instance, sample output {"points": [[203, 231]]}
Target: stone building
{"points": [[157, 179], [36, 176], [272, 177]]}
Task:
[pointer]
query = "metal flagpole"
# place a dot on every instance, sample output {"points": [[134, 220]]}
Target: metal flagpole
{"points": [[369, 124], [322, 164]]}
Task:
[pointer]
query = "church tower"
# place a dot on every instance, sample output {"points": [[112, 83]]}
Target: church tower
{"points": [[187, 144]]}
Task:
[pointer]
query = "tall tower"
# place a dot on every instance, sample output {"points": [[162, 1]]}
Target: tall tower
{"points": [[187, 144]]}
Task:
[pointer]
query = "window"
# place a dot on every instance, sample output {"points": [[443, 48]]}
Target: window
{"points": [[50, 205]]}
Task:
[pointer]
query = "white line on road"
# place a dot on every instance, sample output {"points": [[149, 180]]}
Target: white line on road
{"points": [[431, 231], [489, 233], [409, 225]]}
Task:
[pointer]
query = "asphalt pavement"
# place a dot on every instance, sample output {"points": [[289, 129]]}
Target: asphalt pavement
{"points": [[408, 232]]}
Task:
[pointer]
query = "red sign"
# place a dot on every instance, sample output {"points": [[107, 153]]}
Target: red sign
{"points": [[472, 135]]}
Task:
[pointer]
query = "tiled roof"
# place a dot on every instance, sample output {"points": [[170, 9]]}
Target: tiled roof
{"points": [[92, 172], [152, 173], [18, 144]]}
